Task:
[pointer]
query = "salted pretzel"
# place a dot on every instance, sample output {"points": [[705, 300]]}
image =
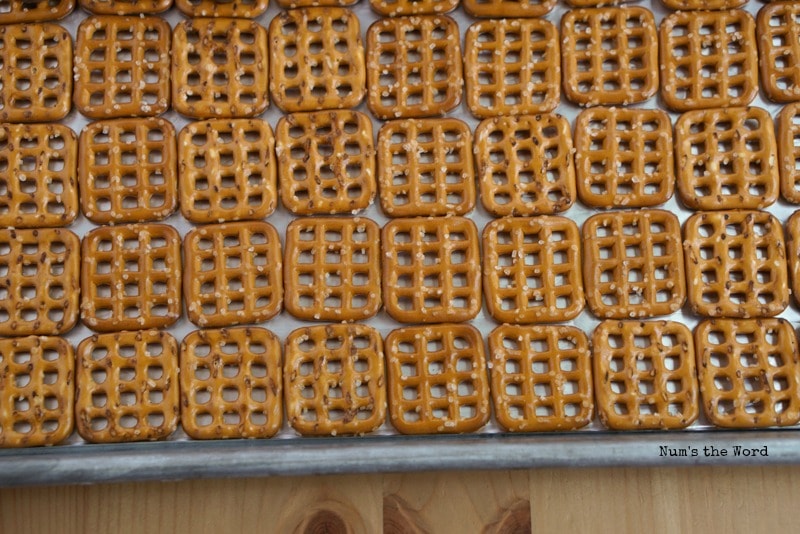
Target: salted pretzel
{"points": [[19, 11], [294, 4], [508, 8], [248, 9], [707, 5], [125, 7], [778, 27], [792, 229], [789, 152], [396, 8]]}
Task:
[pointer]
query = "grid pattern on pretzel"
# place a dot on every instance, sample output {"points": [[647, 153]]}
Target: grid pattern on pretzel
{"points": [[18, 11], [749, 372], [437, 379], [525, 165], [131, 277], [708, 59], [39, 284], [335, 274], [37, 175], [508, 8], [789, 152], [127, 170], [231, 384], [395, 8], [334, 380], [727, 159], [248, 9], [122, 67], [610, 55], [541, 377], [37, 390], [425, 168], [644, 373], [219, 68], [431, 269], [778, 25], [127, 387], [326, 162], [232, 273], [735, 264], [624, 157], [413, 67], [125, 7], [792, 229], [227, 170], [513, 67], [532, 269], [35, 72], [330, 73], [634, 264]]}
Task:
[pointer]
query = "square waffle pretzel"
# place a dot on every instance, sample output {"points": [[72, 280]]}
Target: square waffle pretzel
{"points": [[425, 168], [644, 375], [708, 59], [219, 68], [39, 281], [532, 269], [727, 159], [335, 272], [524, 165], [396, 8], [633, 264], [326, 162], [508, 8], [317, 59], [431, 270], [126, 7], [122, 67], [231, 383], [541, 378], [37, 175], [778, 28], [131, 277], [227, 170], [623, 157], [232, 273], [735, 264], [37, 394], [792, 229], [437, 381], [749, 372], [334, 380], [695, 5], [17, 11], [610, 55], [127, 170], [127, 387], [35, 72], [294, 4], [513, 67], [248, 9], [413, 67], [789, 152]]}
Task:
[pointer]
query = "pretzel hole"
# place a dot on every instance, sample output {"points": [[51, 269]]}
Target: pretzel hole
{"points": [[617, 387]]}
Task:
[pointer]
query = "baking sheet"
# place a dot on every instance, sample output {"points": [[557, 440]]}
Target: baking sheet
{"points": [[385, 450]]}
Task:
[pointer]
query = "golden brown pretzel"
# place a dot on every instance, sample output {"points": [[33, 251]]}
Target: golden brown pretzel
{"points": [[396, 8], [18, 11], [293, 4], [789, 152], [508, 8], [694, 5], [777, 27], [125, 7], [249, 9], [792, 229]]}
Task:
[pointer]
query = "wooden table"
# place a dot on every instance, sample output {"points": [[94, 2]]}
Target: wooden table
{"points": [[744, 499]]}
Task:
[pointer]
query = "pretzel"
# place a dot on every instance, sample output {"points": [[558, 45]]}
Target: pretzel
{"points": [[39, 286], [512, 67], [425, 168], [126, 7], [317, 59], [37, 175], [127, 170], [127, 387], [709, 5], [777, 27], [633, 264], [610, 55], [708, 59], [532, 269], [437, 379], [122, 67], [231, 384], [524, 165], [36, 391], [727, 159], [335, 273], [413, 67], [624, 157], [644, 375], [541, 378], [395, 8], [18, 11], [793, 253], [789, 152], [35, 72], [326, 162], [219, 68], [508, 8], [294, 4], [232, 273], [431, 270], [249, 9], [749, 372], [334, 380], [735, 264], [227, 170], [131, 277]]}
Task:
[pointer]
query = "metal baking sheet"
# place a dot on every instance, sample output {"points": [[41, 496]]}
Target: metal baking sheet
{"points": [[385, 450]]}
